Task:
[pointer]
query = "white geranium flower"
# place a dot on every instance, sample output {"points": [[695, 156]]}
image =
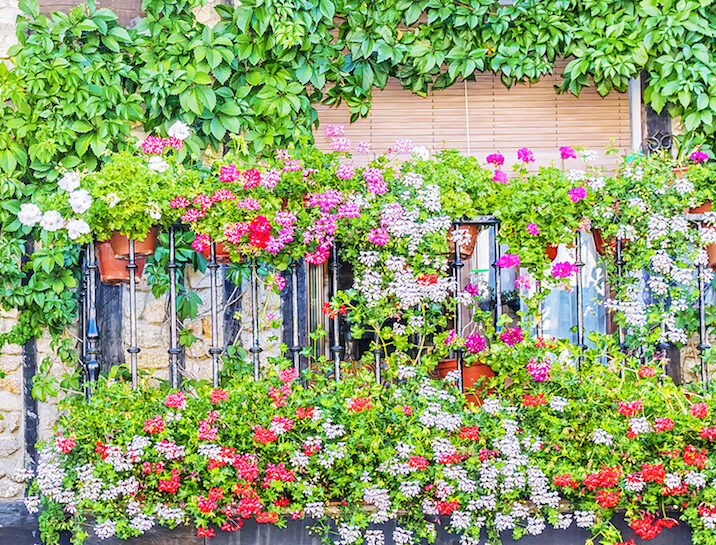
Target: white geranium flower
{"points": [[70, 181], [29, 214], [421, 152], [158, 164], [153, 211], [80, 201], [179, 130], [52, 221], [77, 228], [112, 199], [589, 155]]}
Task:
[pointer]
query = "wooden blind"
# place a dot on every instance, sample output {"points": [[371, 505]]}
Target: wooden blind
{"points": [[483, 116]]}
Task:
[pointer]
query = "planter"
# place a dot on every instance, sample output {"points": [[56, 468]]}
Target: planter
{"points": [[466, 250], [112, 269], [603, 247], [120, 244], [711, 248], [471, 375], [222, 254], [680, 172], [551, 251]]}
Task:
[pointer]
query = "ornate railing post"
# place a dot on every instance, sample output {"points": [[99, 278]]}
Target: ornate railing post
{"points": [[295, 347], [580, 296], [498, 273], [457, 268], [214, 351], [703, 335], [619, 261], [92, 333], [174, 349], [255, 345], [336, 348], [133, 348]]}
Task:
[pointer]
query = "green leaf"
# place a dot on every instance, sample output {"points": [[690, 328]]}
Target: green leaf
{"points": [[30, 7], [202, 78]]}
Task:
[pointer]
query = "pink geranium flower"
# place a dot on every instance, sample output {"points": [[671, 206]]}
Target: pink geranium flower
{"points": [[496, 159], [699, 156], [379, 236], [532, 229], [508, 260], [576, 194], [564, 269], [512, 336], [567, 152], [525, 155], [499, 177]]}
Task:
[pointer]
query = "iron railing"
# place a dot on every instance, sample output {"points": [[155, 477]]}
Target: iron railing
{"points": [[89, 341]]}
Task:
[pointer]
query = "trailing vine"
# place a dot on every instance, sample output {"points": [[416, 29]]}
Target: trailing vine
{"points": [[81, 81]]}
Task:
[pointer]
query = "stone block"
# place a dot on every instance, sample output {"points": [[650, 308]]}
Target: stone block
{"points": [[10, 362], [10, 385], [10, 422], [10, 490], [9, 445], [10, 401]]}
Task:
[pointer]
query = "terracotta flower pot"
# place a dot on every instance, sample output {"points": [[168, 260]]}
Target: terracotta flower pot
{"points": [[711, 248], [680, 172], [603, 247], [471, 375], [222, 254], [120, 244], [112, 269], [466, 250], [551, 251]]}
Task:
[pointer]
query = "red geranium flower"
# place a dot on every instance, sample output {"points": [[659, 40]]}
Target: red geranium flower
{"points": [[154, 425], [264, 436], [472, 433], [607, 499], [699, 410], [359, 404]]}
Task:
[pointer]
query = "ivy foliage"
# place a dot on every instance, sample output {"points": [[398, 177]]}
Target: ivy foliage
{"points": [[80, 79]]}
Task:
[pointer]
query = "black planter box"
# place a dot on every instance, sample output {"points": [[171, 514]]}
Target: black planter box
{"points": [[17, 527]]}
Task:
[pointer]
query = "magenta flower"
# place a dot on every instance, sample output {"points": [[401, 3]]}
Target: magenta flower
{"points": [[539, 371], [699, 156], [532, 229], [475, 343], [512, 336], [522, 282], [379, 236], [153, 145], [335, 130], [473, 290], [374, 181], [179, 202], [567, 152], [363, 147], [345, 172], [450, 337], [576, 194], [525, 155], [508, 260], [341, 143], [499, 177], [228, 173], [496, 159], [201, 242], [564, 269]]}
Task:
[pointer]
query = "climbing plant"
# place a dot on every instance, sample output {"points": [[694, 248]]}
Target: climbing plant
{"points": [[81, 81]]}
